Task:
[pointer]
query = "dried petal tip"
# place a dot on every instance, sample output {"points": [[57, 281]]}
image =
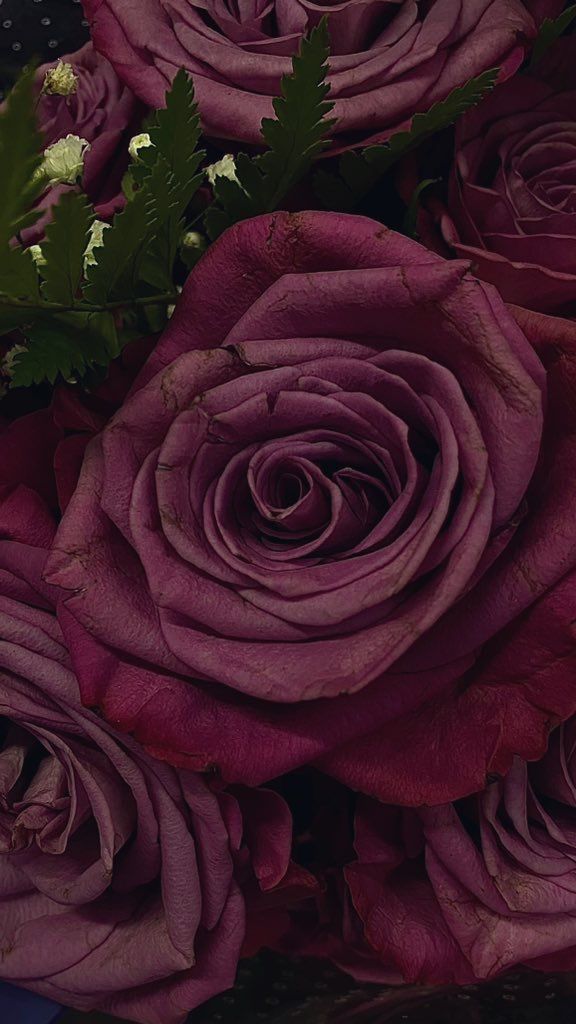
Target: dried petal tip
{"points": [[137, 143], [61, 80], [64, 160]]}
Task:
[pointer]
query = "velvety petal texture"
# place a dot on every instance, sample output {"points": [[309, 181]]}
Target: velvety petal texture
{"points": [[119, 875], [464, 892], [333, 520], [389, 58], [511, 206]]}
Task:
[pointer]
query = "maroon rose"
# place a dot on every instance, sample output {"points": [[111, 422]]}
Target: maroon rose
{"points": [[511, 206], [101, 110], [334, 524], [389, 58], [465, 892], [120, 877], [43, 449]]}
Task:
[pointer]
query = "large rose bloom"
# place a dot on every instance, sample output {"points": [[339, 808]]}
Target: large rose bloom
{"points": [[117, 873], [512, 201], [314, 532], [485, 885], [389, 58]]}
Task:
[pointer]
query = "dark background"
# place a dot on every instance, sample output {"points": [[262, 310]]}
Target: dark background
{"points": [[38, 28]]}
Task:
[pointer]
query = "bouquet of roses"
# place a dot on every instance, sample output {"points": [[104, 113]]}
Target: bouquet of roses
{"points": [[288, 498]]}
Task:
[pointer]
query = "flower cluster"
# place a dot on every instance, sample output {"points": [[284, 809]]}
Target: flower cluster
{"points": [[303, 561]]}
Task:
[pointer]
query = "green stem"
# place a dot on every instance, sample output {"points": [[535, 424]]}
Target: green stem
{"points": [[84, 307]]}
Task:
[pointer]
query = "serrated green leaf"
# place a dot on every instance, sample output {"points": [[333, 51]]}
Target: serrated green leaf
{"points": [[18, 274], [165, 208], [175, 131], [21, 150], [66, 240], [359, 172], [11, 317], [550, 30], [65, 346], [140, 249], [294, 139], [116, 259]]}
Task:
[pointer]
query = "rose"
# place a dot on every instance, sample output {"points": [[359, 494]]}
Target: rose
{"points": [[388, 59], [323, 541], [102, 111], [43, 449], [511, 206], [118, 871], [486, 886]]}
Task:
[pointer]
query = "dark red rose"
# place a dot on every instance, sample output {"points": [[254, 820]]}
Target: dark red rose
{"points": [[103, 111], [512, 206], [124, 883], [43, 450], [464, 892], [334, 524]]}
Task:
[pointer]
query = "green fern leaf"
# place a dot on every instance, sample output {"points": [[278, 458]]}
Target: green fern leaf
{"points": [[294, 138], [359, 172], [18, 274], [64, 248], [140, 249], [67, 345], [21, 148], [115, 270], [550, 30]]}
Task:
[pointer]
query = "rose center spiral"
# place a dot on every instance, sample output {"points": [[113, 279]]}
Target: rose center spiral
{"points": [[33, 791], [318, 492]]}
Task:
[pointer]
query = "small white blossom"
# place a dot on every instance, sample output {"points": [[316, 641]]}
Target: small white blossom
{"points": [[193, 240], [224, 168], [61, 80], [37, 255], [137, 143], [9, 360], [64, 160], [95, 240]]}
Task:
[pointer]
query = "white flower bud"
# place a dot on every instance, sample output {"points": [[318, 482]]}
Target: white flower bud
{"points": [[193, 240], [64, 160], [61, 80], [224, 168], [95, 240], [37, 255], [139, 142]]}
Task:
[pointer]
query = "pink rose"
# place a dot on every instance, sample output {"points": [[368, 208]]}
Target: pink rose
{"points": [[465, 892], [119, 876], [389, 59], [511, 203], [103, 111], [335, 522]]}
